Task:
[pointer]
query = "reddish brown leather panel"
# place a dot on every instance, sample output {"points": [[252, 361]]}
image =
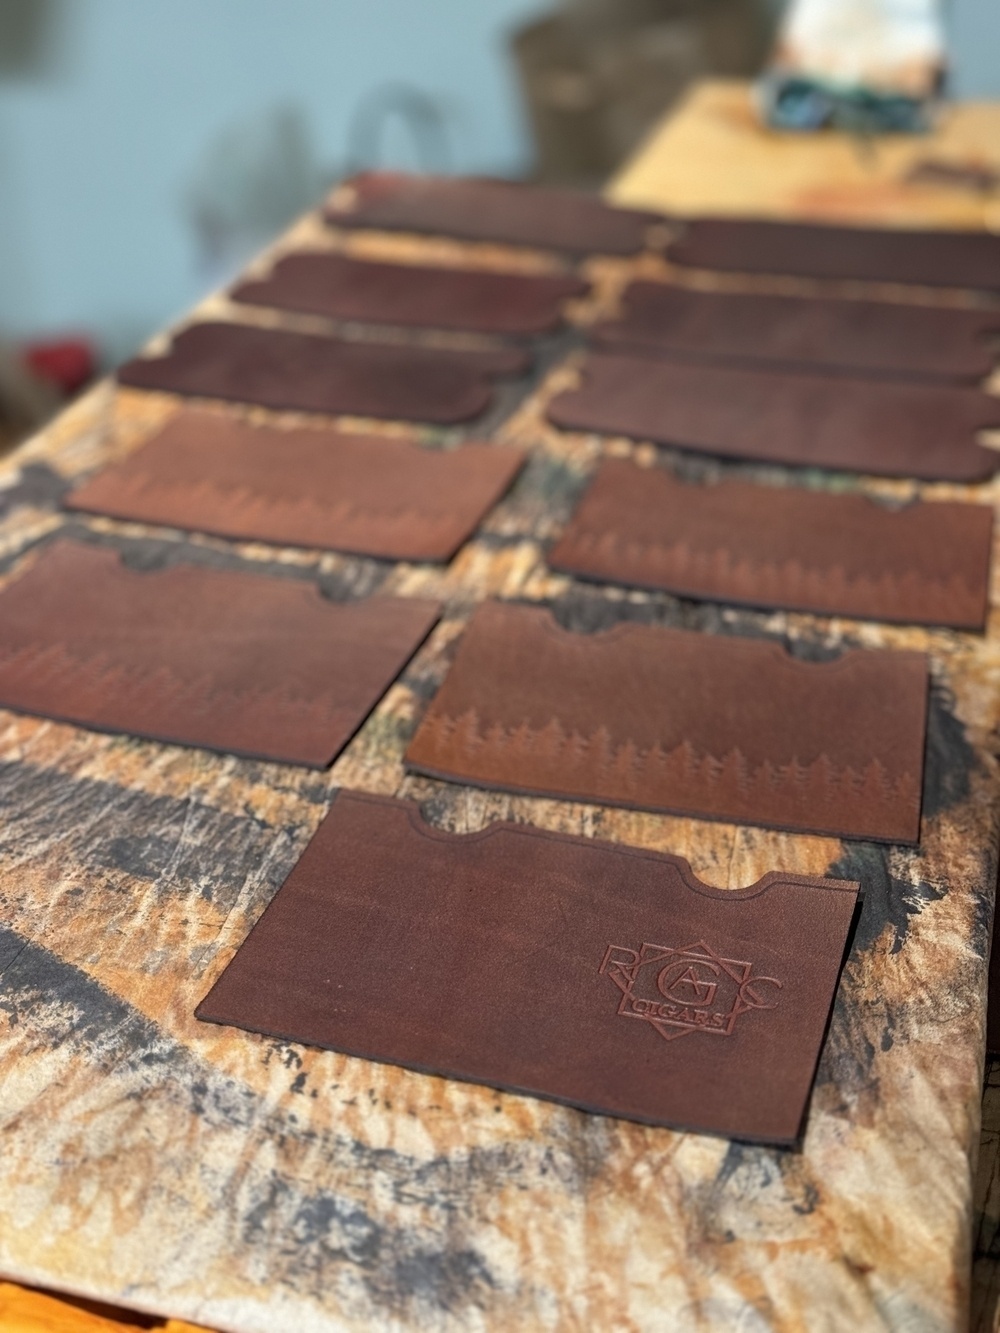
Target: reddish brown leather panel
{"points": [[782, 546], [887, 427], [491, 210], [878, 337], [665, 719], [478, 300], [587, 973], [310, 487], [878, 254], [311, 373], [236, 662]]}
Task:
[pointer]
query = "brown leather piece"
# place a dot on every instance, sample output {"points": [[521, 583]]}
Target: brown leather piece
{"points": [[492, 210], [866, 337], [698, 724], [891, 428], [236, 662], [601, 976], [315, 487], [788, 547], [311, 373], [477, 300], [969, 259]]}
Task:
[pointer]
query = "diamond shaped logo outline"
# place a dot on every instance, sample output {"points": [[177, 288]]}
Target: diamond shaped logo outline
{"points": [[623, 965]]}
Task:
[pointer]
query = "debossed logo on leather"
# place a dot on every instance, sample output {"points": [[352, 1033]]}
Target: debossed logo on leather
{"points": [[686, 990]]}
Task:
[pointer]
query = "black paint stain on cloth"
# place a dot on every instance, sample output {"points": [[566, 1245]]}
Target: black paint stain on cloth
{"points": [[864, 1024], [180, 845], [315, 1229], [312, 1235], [950, 757], [353, 578], [886, 899], [38, 487], [587, 608]]}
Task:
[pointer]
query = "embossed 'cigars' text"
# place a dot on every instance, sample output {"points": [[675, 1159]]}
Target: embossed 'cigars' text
{"points": [[683, 990]]}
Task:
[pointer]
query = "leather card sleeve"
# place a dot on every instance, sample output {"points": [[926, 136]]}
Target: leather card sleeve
{"points": [[597, 975]]}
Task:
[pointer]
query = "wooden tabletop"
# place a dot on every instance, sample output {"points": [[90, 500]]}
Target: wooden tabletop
{"points": [[248, 1184], [713, 156]]}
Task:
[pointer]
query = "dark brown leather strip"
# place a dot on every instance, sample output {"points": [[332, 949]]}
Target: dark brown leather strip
{"points": [[478, 300], [314, 487], [969, 259], [886, 427], [699, 724], [782, 547], [602, 976], [490, 210], [248, 665], [866, 337], [311, 373]]}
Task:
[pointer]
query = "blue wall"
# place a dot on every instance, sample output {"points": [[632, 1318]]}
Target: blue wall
{"points": [[123, 111], [974, 31]]}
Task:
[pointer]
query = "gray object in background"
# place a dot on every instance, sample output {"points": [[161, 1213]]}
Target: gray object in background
{"points": [[597, 74]]}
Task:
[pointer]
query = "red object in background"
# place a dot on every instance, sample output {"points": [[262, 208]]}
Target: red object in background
{"points": [[68, 363]]}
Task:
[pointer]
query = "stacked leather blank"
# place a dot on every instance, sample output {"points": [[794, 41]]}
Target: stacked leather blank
{"points": [[805, 332], [477, 300], [312, 373], [892, 428], [490, 210], [966, 259]]}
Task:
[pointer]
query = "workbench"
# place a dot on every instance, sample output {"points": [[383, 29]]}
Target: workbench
{"points": [[243, 1183]]}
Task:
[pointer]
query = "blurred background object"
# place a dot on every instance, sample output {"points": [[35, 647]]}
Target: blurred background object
{"points": [[251, 179], [27, 398], [598, 74], [865, 66]]}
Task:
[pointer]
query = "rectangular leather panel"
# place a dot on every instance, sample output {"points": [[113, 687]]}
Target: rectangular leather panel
{"points": [[887, 427], [479, 300], [605, 977], [246, 664], [969, 259], [311, 373], [777, 546], [700, 724], [315, 487], [866, 337], [490, 210]]}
